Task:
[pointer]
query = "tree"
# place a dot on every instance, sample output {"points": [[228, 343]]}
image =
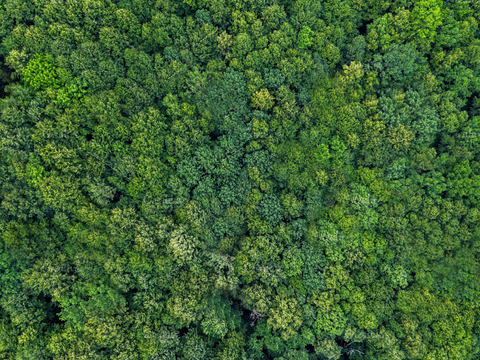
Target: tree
{"points": [[41, 73], [305, 37], [239, 180], [426, 16], [262, 100]]}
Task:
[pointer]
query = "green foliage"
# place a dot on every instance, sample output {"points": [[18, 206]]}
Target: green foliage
{"points": [[292, 261], [74, 90], [334, 150], [271, 209], [273, 78], [239, 180], [305, 38], [41, 72], [34, 170], [426, 17], [400, 66], [331, 322]]}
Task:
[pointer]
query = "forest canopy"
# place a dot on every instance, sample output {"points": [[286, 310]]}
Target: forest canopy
{"points": [[239, 179]]}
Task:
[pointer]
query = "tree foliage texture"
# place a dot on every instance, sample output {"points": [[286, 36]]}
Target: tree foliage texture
{"points": [[239, 180]]}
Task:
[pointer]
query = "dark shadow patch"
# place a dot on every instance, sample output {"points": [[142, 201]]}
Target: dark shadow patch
{"points": [[363, 28], [116, 197], [214, 137], [53, 311], [182, 331]]}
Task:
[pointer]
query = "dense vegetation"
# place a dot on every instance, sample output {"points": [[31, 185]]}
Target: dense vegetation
{"points": [[239, 179]]}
